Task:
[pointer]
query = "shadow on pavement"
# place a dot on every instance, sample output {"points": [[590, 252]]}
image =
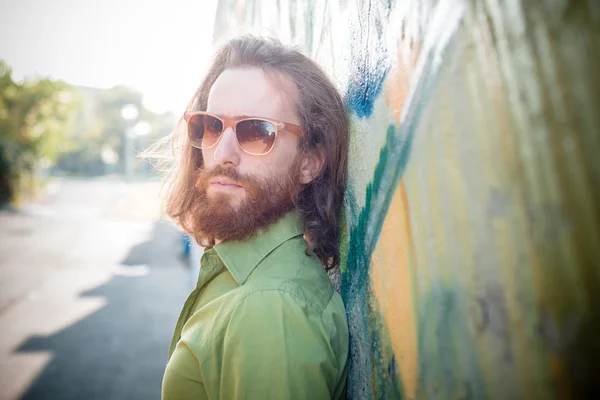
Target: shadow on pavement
{"points": [[119, 352]]}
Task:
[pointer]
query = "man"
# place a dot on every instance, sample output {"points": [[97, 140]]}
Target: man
{"points": [[259, 183]]}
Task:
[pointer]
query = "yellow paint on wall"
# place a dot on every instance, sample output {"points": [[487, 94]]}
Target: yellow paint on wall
{"points": [[397, 85], [392, 282]]}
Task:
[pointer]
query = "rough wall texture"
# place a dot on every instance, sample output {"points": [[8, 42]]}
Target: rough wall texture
{"points": [[472, 246]]}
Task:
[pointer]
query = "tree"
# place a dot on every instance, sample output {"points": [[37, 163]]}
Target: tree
{"points": [[36, 123]]}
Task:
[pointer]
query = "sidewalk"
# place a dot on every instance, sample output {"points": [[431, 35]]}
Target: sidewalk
{"points": [[91, 285]]}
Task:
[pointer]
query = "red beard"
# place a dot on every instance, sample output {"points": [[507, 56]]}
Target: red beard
{"points": [[265, 202]]}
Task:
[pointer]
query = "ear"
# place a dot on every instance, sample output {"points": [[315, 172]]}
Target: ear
{"points": [[312, 163]]}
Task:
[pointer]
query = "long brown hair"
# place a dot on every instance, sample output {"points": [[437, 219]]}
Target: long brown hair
{"points": [[323, 118]]}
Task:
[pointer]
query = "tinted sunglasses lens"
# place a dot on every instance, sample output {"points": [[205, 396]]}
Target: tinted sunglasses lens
{"points": [[204, 130], [255, 136]]}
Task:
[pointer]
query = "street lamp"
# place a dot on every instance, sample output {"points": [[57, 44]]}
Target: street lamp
{"points": [[129, 112], [141, 130]]}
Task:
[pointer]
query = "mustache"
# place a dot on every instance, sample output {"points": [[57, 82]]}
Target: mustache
{"points": [[219, 171]]}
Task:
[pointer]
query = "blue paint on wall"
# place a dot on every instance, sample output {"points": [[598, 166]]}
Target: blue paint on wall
{"points": [[369, 56], [363, 92]]}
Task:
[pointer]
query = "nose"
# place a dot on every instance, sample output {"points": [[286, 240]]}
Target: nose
{"points": [[227, 151]]}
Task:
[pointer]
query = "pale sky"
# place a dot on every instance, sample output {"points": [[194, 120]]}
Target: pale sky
{"points": [[160, 48]]}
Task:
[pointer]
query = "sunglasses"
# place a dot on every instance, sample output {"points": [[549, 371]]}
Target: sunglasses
{"points": [[255, 136]]}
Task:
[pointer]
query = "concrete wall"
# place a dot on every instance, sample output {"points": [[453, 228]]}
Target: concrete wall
{"points": [[471, 266]]}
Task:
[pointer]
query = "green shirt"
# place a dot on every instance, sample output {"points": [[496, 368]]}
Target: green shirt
{"points": [[264, 322]]}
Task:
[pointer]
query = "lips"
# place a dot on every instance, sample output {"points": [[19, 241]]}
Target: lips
{"points": [[224, 181]]}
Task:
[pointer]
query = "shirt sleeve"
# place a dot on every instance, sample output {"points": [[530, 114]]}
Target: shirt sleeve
{"points": [[274, 348]]}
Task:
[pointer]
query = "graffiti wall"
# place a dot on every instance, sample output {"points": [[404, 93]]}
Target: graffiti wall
{"points": [[472, 241]]}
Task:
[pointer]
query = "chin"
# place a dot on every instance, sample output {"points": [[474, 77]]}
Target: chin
{"points": [[220, 198]]}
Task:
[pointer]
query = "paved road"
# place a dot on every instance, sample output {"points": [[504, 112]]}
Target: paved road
{"points": [[91, 285]]}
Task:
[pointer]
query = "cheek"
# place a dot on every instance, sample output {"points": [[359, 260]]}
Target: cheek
{"points": [[283, 158], [267, 167], [207, 158], [286, 152]]}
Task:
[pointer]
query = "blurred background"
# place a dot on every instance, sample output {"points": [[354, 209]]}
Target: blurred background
{"points": [[92, 275], [469, 255]]}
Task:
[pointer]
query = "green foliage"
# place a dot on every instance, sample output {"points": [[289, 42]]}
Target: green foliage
{"points": [[45, 123], [36, 122]]}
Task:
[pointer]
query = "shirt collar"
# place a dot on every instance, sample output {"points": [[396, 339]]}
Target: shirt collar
{"points": [[242, 257]]}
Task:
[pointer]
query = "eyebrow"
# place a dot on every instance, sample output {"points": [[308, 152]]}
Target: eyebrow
{"points": [[243, 116], [249, 116], [234, 116]]}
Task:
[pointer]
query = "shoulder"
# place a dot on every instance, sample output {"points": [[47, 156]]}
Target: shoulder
{"points": [[272, 311], [288, 272], [288, 305], [271, 298], [276, 318]]}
